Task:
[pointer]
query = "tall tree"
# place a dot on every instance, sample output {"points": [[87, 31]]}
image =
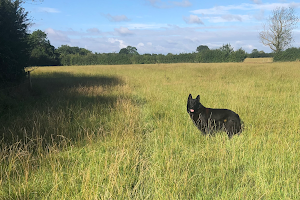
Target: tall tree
{"points": [[129, 50], [277, 33], [14, 48], [202, 48], [254, 53], [43, 53], [227, 49]]}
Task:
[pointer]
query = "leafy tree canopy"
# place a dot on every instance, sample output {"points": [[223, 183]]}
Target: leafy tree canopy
{"points": [[42, 53], [227, 48], [202, 48], [129, 50], [14, 48], [66, 49]]}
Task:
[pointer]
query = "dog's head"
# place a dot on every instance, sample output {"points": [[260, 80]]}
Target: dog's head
{"points": [[193, 105]]}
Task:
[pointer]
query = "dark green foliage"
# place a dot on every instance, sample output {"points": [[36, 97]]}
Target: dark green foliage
{"points": [[254, 53], [124, 51], [212, 56], [291, 54], [42, 53], [69, 55], [129, 50], [202, 48], [223, 54], [238, 56], [80, 56], [66, 50], [227, 49], [206, 56], [259, 54], [14, 48]]}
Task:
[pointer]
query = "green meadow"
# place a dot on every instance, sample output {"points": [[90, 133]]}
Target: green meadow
{"points": [[122, 132]]}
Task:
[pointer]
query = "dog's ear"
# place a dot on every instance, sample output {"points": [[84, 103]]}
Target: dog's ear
{"points": [[190, 96], [198, 98]]}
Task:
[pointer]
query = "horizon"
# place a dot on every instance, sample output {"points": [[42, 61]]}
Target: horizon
{"points": [[155, 26]]}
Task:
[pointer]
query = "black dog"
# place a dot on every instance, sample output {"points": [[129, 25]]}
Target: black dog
{"points": [[209, 120]]}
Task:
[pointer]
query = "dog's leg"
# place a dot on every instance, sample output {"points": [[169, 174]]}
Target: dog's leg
{"points": [[232, 127]]}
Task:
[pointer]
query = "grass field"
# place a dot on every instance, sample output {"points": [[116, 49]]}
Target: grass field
{"points": [[122, 132], [258, 60]]}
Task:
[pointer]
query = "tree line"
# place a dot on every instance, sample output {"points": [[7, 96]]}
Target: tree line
{"points": [[42, 53], [129, 55]]}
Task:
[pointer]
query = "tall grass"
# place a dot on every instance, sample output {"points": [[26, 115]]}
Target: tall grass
{"points": [[122, 132], [259, 60]]}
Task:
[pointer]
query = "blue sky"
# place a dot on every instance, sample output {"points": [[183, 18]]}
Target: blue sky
{"points": [[154, 26]]}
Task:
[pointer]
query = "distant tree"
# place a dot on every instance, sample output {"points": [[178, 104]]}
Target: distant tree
{"points": [[132, 50], [83, 51], [14, 48], [277, 33], [237, 56], [129, 50], [42, 53], [66, 50], [124, 51], [254, 53], [202, 48], [227, 48], [38, 38]]}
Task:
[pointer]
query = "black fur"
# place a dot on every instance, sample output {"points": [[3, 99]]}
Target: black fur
{"points": [[209, 120]]}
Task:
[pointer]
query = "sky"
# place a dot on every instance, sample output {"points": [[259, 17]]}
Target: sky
{"points": [[155, 26]]}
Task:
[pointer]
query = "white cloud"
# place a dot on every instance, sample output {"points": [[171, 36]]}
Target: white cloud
{"points": [[165, 37], [230, 17], [48, 10], [184, 3], [57, 36], [116, 18], [211, 11], [220, 10], [192, 19], [146, 26], [140, 44], [259, 15], [123, 31], [239, 13], [93, 30], [257, 1], [169, 4], [121, 42]]}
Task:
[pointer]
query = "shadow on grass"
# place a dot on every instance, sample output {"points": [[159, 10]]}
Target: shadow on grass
{"points": [[55, 81], [60, 105]]}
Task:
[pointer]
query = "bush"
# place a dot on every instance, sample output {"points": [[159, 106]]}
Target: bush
{"points": [[291, 54]]}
